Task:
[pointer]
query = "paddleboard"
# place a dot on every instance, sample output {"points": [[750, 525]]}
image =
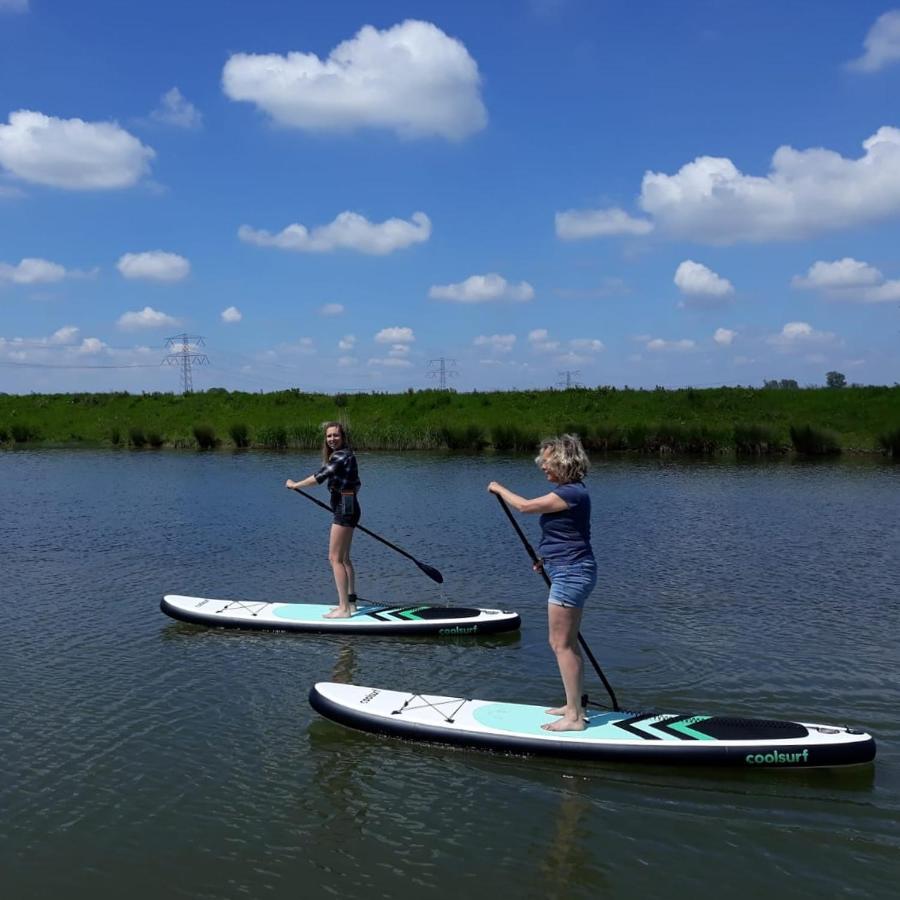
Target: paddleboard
{"points": [[370, 618], [657, 738]]}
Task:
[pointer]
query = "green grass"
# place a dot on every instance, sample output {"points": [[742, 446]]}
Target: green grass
{"points": [[690, 421]]}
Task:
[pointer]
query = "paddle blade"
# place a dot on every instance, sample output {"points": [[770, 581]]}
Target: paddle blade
{"points": [[431, 572]]}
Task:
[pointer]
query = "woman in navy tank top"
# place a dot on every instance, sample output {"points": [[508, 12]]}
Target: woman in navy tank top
{"points": [[568, 559]]}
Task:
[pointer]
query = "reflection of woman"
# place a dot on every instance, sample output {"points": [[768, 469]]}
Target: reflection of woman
{"points": [[567, 558], [339, 469]]}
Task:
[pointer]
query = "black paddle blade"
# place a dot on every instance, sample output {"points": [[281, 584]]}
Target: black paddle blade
{"points": [[431, 572]]}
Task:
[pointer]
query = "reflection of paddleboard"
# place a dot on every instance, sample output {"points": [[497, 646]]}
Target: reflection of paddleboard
{"points": [[371, 618], [659, 738]]}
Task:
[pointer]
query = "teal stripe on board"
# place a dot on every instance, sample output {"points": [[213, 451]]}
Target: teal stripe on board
{"points": [[516, 718], [301, 612]]}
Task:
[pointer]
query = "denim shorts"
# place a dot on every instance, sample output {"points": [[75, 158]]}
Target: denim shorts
{"points": [[345, 508], [571, 583]]}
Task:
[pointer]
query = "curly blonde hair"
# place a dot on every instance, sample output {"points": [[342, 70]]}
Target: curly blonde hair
{"points": [[565, 456]]}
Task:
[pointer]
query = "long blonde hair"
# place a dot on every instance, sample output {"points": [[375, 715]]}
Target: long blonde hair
{"points": [[345, 439], [565, 456]]}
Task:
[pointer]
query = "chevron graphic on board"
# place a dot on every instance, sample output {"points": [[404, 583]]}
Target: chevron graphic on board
{"points": [[680, 727]]}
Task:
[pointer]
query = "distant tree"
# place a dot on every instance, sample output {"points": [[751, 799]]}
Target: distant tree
{"points": [[788, 384], [770, 385], [835, 380]]}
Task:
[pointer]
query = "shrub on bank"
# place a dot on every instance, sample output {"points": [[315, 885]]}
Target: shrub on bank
{"points": [[273, 437], [463, 437], [205, 436], [239, 433], [756, 440], [814, 441], [155, 439], [889, 441], [514, 438], [136, 436]]}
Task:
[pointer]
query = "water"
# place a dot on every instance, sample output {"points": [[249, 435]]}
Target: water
{"points": [[145, 757]]}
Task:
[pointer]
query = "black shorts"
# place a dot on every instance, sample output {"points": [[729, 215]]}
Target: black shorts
{"points": [[345, 508]]}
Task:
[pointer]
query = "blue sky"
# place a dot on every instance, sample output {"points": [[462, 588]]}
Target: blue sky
{"points": [[334, 195]]}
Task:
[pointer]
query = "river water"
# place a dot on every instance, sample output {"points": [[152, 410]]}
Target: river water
{"points": [[143, 757]]}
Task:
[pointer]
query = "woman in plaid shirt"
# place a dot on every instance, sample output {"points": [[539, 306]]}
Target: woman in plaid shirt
{"points": [[339, 469]]}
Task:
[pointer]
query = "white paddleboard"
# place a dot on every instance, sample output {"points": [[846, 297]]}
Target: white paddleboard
{"points": [[658, 738]]}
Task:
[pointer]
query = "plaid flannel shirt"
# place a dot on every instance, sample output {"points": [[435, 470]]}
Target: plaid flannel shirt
{"points": [[341, 472]]}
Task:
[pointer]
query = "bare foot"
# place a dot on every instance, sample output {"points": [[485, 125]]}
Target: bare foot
{"points": [[566, 725], [557, 711], [338, 614]]}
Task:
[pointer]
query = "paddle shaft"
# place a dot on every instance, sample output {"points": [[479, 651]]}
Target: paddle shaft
{"points": [[537, 561], [430, 571]]}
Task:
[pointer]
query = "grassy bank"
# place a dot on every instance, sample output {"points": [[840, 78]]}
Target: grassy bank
{"points": [[742, 420]]}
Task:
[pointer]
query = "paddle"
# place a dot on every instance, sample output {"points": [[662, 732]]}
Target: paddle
{"points": [[430, 571], [536, 560]]}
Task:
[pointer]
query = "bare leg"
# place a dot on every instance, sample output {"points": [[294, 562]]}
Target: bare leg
{"points": [[342, 568], [564, 624]]}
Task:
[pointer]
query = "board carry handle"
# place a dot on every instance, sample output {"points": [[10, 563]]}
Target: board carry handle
{"points": [[430, 571], [538, 564]]}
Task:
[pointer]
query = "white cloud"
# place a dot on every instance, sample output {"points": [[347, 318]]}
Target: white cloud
{"points": [[13, 5], [589, 345], [696, 280], [806, 192], [90, 346], [391, 362], [499, 343], [175, 110], [347, 342], [346, 361], [399, 350], [482, 289], [412, 79], [724, 337], [882, 44], [849, 279], [800, 335], [145, 318], [232, 314], [658, 344], [71, 153], [32, 271], [65, 335], [154, 265], [331, 309], [349, 231], [304, 346], [395, 335], [575, 224], [539, 338]]}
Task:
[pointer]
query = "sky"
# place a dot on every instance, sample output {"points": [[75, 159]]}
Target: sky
{"points": [[336, 197]]}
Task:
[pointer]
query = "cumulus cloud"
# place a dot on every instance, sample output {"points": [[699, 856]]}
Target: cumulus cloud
{"points": [[539, 338], [724, 337], [482, 289], [395, 335], [412, 79], [696, 280], [175, 110], [13, 5], [499, 343], [144, 319], [331, 309], [390, 362], [71, 153], [801, 335], [32, 271], [347, 342], [576, 224], [882, 44], [346, 361], [231, 315], [658, 344], [349, 231], [587, 345], [805, 192], [398, 351], [154, 265], [848, 279]]}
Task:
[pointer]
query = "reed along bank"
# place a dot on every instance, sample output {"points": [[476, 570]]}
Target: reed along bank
{"points": [[742, 420]]}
